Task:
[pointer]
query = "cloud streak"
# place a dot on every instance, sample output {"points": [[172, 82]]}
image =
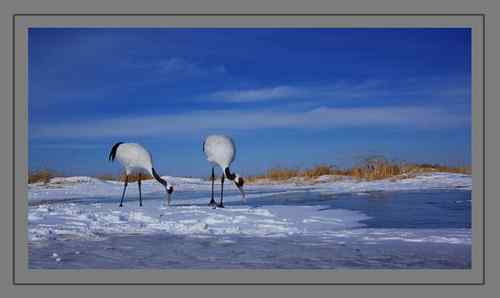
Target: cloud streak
{"points": [[203, 121], [254, 95], [181, 66], [342, 89]]}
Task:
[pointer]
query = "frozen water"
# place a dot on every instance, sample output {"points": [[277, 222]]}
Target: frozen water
{"points": [[423, 222]]}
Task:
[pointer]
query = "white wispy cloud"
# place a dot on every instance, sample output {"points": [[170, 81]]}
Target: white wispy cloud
{"points": [[343, 89], [79, 146], [340, 89], [202, 121], [263, 94], [181, 66]]}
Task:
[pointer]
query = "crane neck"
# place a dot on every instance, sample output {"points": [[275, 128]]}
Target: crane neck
{"points": [[229, 175], [158, 178]]}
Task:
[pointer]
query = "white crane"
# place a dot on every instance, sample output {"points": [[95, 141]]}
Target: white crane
{"points": [[220, 150], [137, 161]]}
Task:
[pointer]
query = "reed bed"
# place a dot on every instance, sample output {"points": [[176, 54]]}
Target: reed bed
{"points": [[373, 168], [121, 177], [42, 175], [370, 169]]}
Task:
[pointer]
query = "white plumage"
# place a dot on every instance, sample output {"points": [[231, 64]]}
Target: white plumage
{"points": [[136, 160], [219, 150]]}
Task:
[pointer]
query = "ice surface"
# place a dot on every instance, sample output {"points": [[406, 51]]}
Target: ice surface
{"points": [[89, 207], [86, 209], [93, 220]]}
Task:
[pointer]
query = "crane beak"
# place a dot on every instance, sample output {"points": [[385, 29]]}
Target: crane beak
{"points": [[239, 182], [170, 189], [169, 198], [240, 188]]}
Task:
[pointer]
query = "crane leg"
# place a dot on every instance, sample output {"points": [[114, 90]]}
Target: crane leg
{"points": [[140, 193], [124, 188], [212, 201], [221, 204]]}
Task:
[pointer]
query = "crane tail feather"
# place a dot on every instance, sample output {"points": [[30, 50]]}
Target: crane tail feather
{"points": [[112, 153]]}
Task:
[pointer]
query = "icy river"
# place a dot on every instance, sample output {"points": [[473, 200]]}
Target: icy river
{"points": [[418, 223]]}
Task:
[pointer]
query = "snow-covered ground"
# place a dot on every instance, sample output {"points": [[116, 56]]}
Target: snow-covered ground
{"points": [[86, 209], [81, 186]]}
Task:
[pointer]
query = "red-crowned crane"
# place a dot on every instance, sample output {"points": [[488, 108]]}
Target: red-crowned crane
{"points": [[137, 161], [220, 150]]}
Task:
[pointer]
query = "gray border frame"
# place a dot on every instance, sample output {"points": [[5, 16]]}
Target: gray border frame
{"points": [[478, 29]]}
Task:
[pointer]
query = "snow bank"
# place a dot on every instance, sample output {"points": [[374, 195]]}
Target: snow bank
{"points": [[421, 182], [82, 187], [95, 221], [91, 221], [85, 207]]}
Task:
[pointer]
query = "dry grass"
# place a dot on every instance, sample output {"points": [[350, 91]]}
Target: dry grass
{"points": [[42, 175], [378, 172], [372, 168], [106, 177], [418, 168], [282, 174], [275, 174], [134, 178], [121, 177], [320, 170]]}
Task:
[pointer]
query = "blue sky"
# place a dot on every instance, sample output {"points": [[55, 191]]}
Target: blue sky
{"points": [[289, 97]]}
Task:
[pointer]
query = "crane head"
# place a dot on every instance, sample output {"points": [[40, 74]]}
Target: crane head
{"points": [[170, 189], [239, 182]]}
